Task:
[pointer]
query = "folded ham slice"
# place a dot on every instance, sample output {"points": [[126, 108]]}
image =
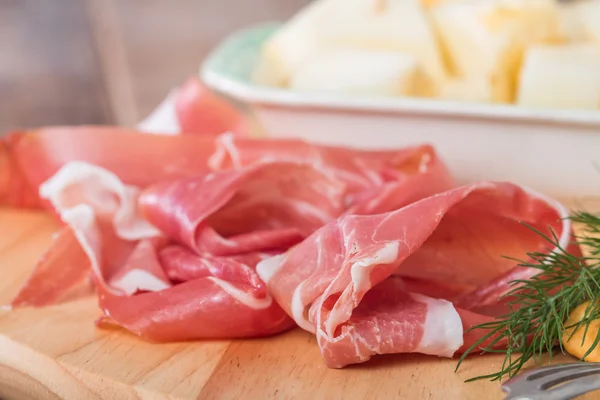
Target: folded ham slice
{"points": [[269, 205], [346, 283], [103, 213], [202, 112], [220, 298], [194, 109], [27, 159], [128, 257], [62, 274], [15, 191], [370, 250], [376, 180]]}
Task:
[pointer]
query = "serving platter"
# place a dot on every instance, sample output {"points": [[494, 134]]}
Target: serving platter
{"points": [[551, 151], [57, 352]]}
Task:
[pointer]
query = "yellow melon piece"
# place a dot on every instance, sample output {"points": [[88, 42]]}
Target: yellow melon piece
{"points": [[589, 12], [570, 23], [572, 338], [485, 39], [399, 26], [292, 44], [561, 76], [358, 72]]}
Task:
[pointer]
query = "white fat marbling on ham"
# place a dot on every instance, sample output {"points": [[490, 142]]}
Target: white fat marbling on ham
{"points": [[86, 185], [298, 310], [266, 269], [83, 223], [269, 267], [103, 214], [361, 270], [138, 279], [241, 296], [163, 119], [226, 149], [443, 328]]}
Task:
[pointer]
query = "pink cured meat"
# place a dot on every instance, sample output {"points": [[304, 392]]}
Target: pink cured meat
{"points": [[181, 265], [125, 255], [62, 274], [27, 159], [266, 206], [376, 180], [102, 212], [346, 283], [223, 302]]}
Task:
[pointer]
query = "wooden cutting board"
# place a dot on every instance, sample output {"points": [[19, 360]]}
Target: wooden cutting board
{"points": [[57, 352]]}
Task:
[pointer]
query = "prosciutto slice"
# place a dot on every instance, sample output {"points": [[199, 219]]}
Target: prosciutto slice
{"points": [[127, 258], [345, 283], [194, 109], [182, 265], [103, 214], [227, 303], [28, 159], [377, 181], [266, 206], [62, 274], [202, 112], [206, 236], [14, 189]]}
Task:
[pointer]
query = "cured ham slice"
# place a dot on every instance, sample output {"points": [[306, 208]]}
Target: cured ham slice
{"points": [[221, 297], [142, 271], [14, 189], [62, 274], [228, 303], [202, 112], [377, 181], [346, 284], [103, 214], [194, 109], [27, 159], [206, 236], [267, 206], [128, 257], [182, 265]]}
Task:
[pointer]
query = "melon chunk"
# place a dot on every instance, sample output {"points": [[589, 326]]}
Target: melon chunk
{"points": [[589, 12], [359, 72], [398, 26], [292, 44], [561, 76], [570, 23], [485, 39]]}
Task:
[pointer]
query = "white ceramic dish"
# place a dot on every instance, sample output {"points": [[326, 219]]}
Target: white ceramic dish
{"points": [[554, 151]]}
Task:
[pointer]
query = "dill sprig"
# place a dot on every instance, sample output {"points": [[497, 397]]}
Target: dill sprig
{"points": [[539, 307]]}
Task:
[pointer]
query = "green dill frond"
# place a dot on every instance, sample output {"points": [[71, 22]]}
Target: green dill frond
{"points": [[541, 305]]}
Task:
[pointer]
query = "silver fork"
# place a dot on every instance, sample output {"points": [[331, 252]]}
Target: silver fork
{"points": [[555, 382]]}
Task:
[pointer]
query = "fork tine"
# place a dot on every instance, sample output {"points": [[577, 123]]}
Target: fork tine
{"points": [[537, 383], [574, 388], [551, 372], [541, 371], [547, 381], [537, 379]]}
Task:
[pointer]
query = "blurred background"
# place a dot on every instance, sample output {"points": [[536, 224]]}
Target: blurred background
{"points": [[109, 61]]}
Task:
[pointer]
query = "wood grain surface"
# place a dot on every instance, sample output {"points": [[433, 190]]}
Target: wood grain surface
{"points": [[58, 353]]}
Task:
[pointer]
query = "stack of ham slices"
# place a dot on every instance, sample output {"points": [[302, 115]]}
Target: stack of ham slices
{"points": [[208, 233]]}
